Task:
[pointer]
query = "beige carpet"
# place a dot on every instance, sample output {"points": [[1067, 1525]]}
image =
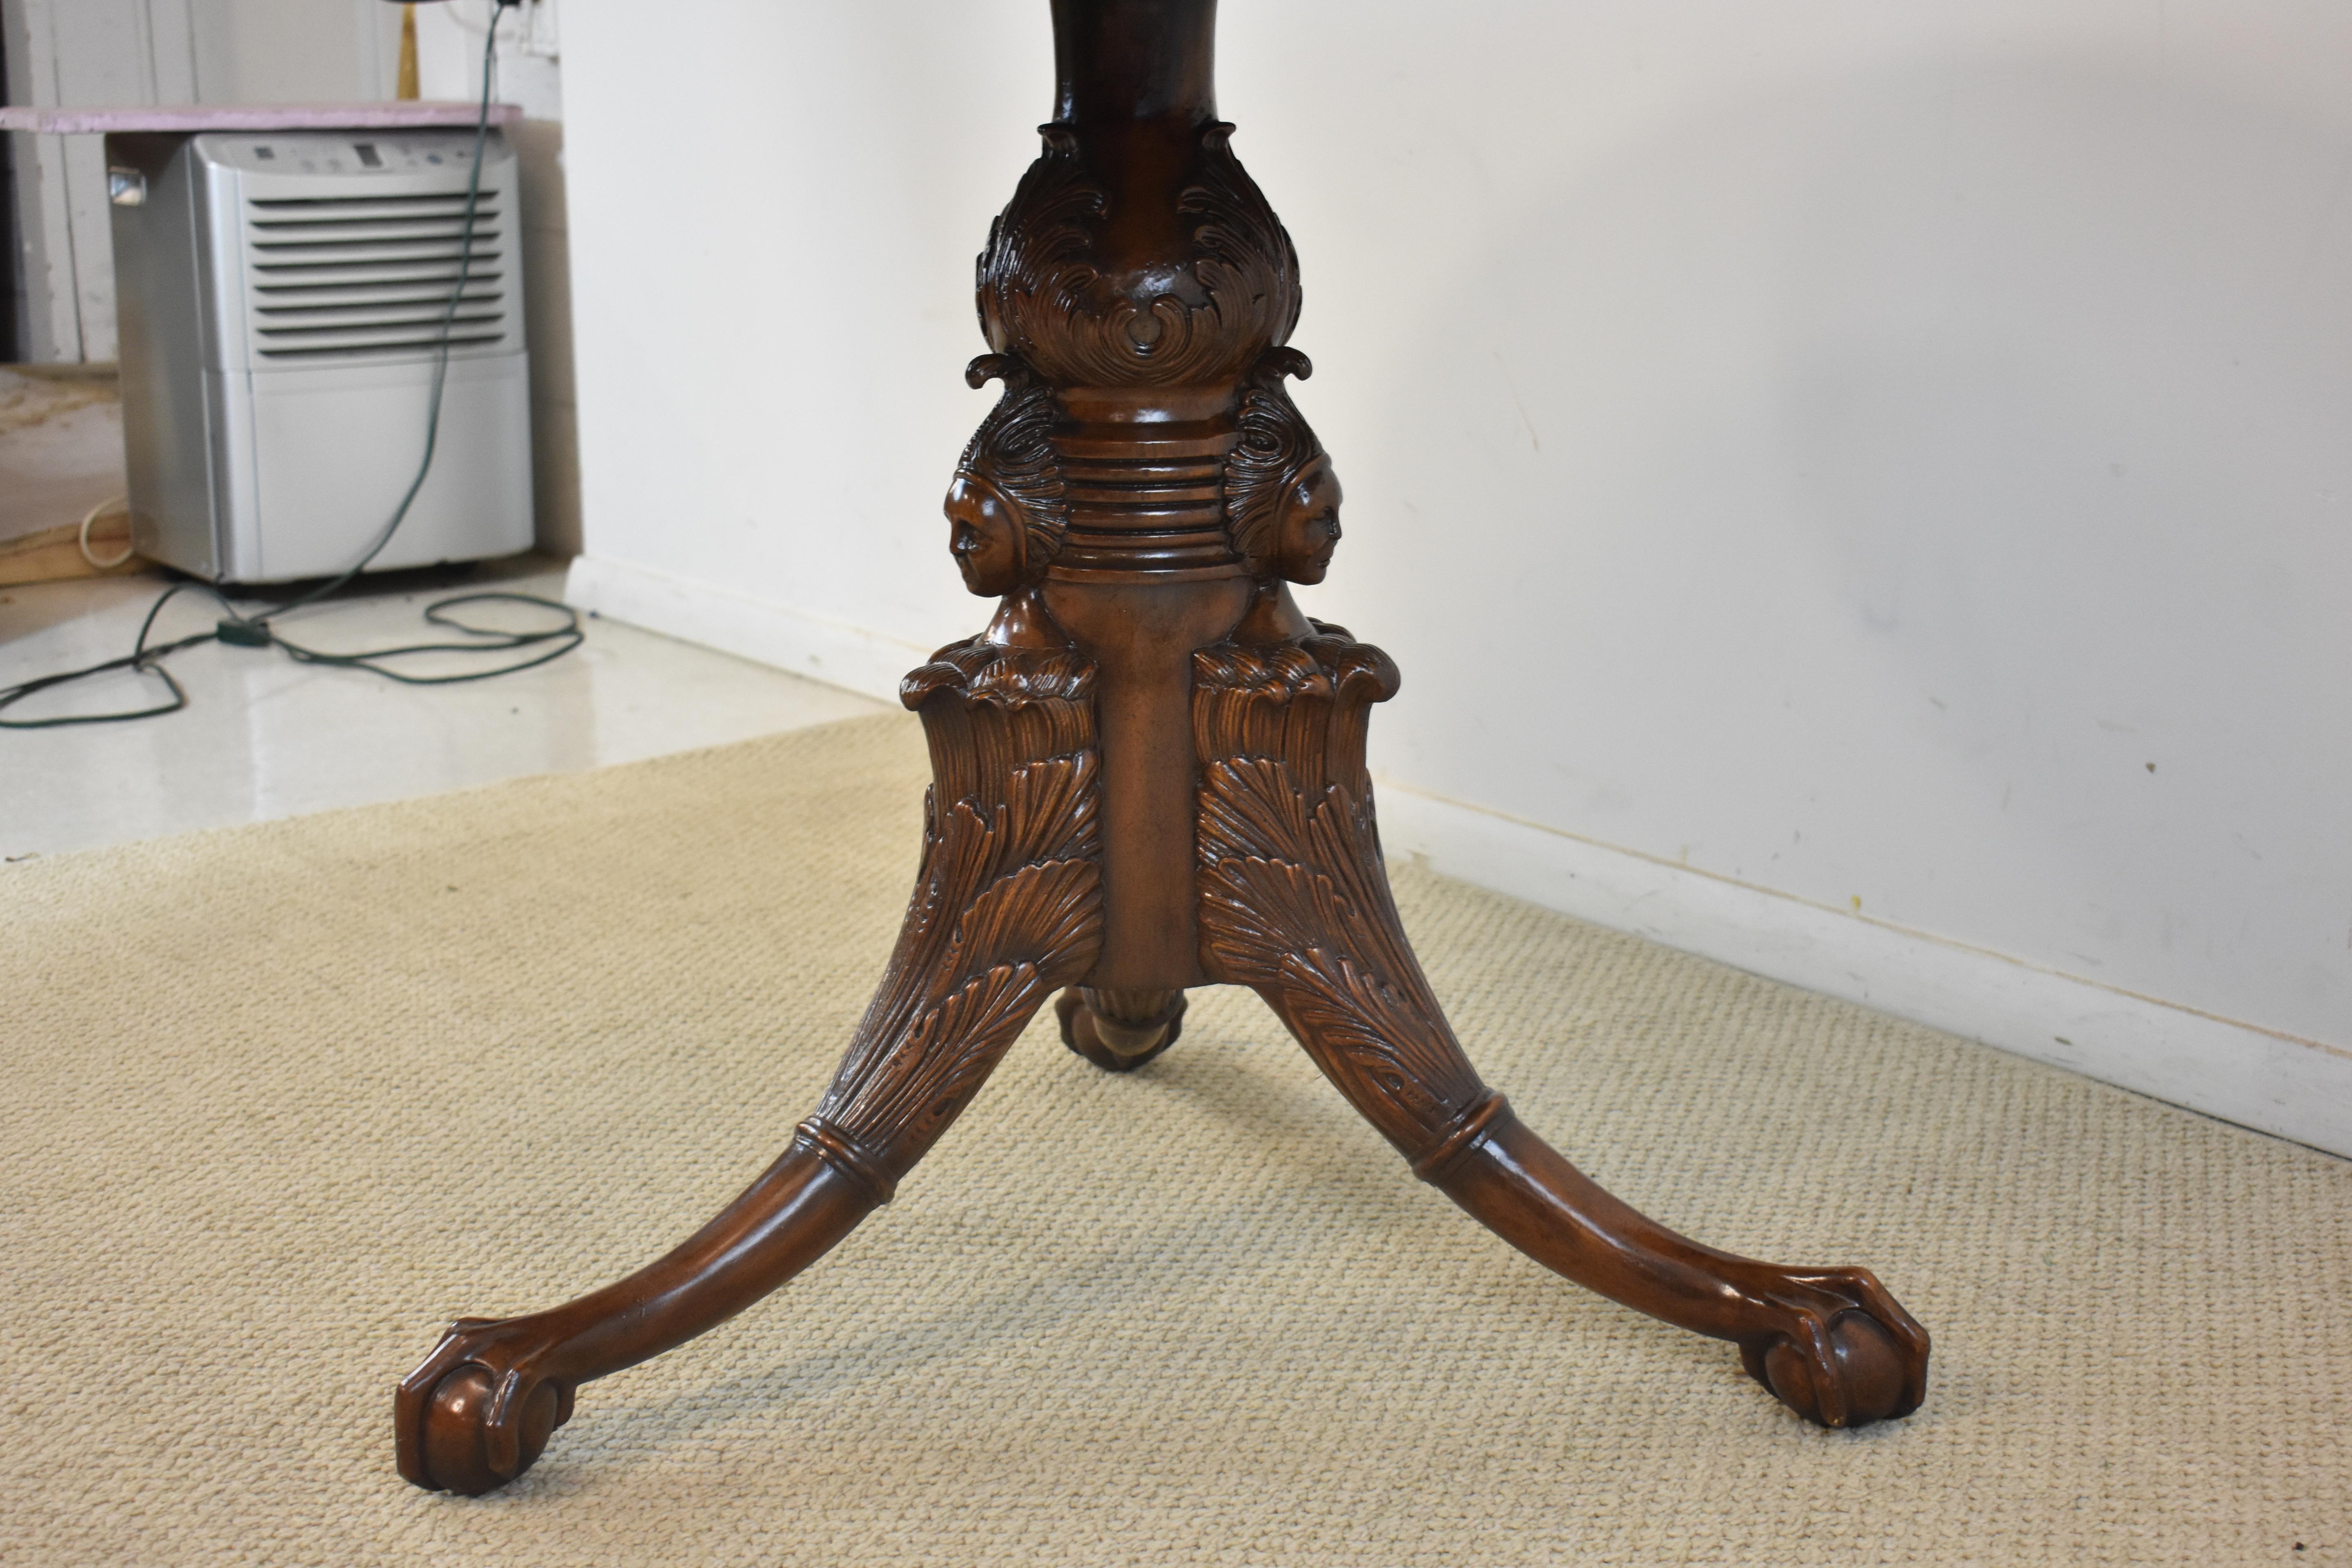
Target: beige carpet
{"points": [[279, 1100]]}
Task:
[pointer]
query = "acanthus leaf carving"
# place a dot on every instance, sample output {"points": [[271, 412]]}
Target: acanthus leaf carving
{"points": [[992, 674], [1007, 908], [1294, 897], [1048, 292]]}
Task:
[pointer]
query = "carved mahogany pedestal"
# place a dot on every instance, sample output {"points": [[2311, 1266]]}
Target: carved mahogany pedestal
{"points": [[1149, 775]]}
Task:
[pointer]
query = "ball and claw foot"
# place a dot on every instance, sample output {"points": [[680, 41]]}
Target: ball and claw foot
{"points": [[1854, 1357], [1119, 1043], [474, 1416]]}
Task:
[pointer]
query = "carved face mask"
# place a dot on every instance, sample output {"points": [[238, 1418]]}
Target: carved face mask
{"points": [[985, 534], [1308, 523]]}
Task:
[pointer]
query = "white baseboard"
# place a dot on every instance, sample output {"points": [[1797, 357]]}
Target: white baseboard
{"points": [[2239, 1072], [835, 652]]}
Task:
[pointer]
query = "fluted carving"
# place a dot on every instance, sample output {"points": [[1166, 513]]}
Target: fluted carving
{"points": [[1006, 910], [1294, 897]]}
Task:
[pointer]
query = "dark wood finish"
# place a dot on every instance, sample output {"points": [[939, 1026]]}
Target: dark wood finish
{"points": [[1119, 1031], [1295, 902], [1007, 908], [1149, 775]]}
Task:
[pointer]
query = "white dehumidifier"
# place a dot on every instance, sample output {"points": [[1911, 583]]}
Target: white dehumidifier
{"points": [[280, 297]]}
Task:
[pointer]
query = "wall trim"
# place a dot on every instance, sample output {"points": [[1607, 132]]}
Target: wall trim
{"points": [[2240, 1072], [836, 652]]}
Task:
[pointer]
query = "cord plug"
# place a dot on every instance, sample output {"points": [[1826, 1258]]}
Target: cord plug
{"points": [[243, 633]]}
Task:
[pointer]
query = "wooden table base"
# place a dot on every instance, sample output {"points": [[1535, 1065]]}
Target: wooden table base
{"points": [[1149, 776]]}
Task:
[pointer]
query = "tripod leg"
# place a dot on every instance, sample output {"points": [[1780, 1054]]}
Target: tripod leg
{"points": [[1296, 904], [1007, 908]]}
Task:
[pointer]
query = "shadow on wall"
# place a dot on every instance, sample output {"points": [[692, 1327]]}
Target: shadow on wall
{"points": [[1951, 459]]}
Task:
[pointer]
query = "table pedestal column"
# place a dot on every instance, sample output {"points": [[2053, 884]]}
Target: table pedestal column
{"points": [[1149, 776]]}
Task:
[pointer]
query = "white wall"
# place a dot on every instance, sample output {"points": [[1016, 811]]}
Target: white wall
{"points": [[1810, 462], [529, 75], [292, 51], [449, 40], [774, 212]]}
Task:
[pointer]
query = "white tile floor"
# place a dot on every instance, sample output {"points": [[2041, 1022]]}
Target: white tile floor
{"points": [[263, 737]]}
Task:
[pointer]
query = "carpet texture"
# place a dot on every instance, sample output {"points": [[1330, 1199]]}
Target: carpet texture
{"points": [[279, 1101]]}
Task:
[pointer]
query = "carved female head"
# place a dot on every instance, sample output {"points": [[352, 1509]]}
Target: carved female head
{"points": [[1006, 509], [1282, 496]]}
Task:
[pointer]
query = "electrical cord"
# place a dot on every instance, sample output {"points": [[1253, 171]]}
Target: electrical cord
{"points": [[140, 658], [92, 515], [241, 630]]}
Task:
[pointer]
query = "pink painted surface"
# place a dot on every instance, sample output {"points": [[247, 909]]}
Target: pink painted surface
{"points": [[410, 115]]}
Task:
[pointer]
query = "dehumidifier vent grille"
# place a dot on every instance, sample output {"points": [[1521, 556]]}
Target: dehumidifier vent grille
{"points": [[345, 277]]}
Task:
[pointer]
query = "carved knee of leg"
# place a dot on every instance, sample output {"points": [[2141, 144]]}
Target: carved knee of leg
{"points": [[1009, 908], [1294, 896]]}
